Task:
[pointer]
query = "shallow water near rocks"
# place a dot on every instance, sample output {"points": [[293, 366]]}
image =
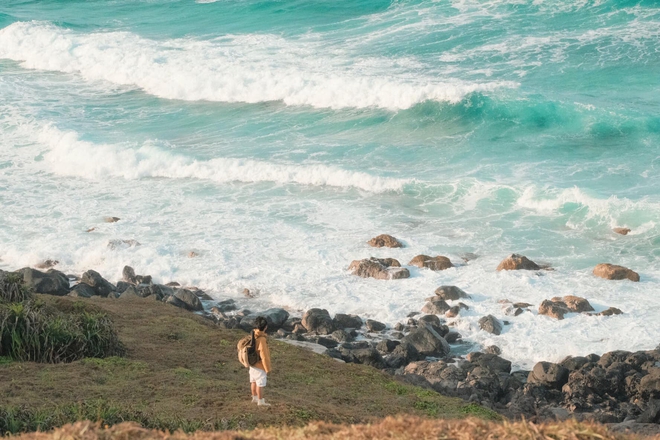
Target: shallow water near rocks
{"points": [[274, 139]]}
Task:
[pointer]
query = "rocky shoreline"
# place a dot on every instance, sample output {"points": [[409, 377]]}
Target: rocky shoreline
{"points": [[619, 387]]}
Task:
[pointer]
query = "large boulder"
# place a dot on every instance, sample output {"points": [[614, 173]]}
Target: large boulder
{"points": [[610, 311], [82, 290], [342, 336], [161, 291], [491, 324], [188, 299], [427, 342], [157, 292], [276, 318], [402, 354], [52, 282], [228, 305], [621, 231], [342, 320], [440, 376], [433, 263], [431, 320], [387, 345], [435, 307], [375, 326], [132, 292], [482, 383], [649, 386], [490, 361], [452, 337], [122, 286], [575, 303], [612, 357], [450, 293], [379, 268], [101, 286], [573, 363], [171, 300], [557, 307], [549, 375], [517, 262], [318, 321], [614, 272], [128, 275], [385, 240], [554, 309], [651, 414], [367, 356]]}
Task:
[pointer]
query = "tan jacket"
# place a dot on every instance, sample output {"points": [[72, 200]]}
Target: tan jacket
{"points": [[263, 350]]}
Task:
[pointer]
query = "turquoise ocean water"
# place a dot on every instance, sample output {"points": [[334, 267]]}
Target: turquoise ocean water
{"points": [[274, 138]]}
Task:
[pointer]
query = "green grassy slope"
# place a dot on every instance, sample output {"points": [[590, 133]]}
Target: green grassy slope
{"points": [[181, 371]]}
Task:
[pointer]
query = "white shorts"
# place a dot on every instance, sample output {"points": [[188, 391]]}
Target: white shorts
{"points": [[258, 376]]}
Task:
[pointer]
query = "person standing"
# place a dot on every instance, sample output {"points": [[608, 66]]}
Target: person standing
{"points": [[259, 371]]}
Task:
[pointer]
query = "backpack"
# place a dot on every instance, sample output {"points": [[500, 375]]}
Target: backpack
{"points": [[247, 351]]}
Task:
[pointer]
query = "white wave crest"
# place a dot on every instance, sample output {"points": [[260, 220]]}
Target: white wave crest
{"points": [[614, 211], [249, 68], [68, 155]]}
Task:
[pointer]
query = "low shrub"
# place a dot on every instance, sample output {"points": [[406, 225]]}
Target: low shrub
{"points": [[29, 331], [12, 288]]}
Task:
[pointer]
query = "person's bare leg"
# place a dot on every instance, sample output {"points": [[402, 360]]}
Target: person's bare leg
{"points": [[253, 388], [260, 397]]}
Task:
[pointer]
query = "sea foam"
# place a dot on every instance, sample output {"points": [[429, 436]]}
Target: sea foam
{"points": [[68, 155], [235, 68]]}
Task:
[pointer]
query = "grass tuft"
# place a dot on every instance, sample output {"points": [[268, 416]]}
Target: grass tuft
{"points": [[474, 410], [30, 331], [12, 289]]}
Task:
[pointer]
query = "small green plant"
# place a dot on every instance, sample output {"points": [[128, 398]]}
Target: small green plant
{"points": [[190, 399], [12, 289], [302, 415], [432, 409], [472, 409], [425, 393], [183, 372], [397, 388]]}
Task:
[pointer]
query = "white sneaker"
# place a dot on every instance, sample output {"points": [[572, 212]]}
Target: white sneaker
{"points": [[255, 399], [262, 402]]}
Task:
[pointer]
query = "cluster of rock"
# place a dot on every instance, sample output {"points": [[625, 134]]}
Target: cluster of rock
{"points": [[617, 386], [350, 338], [390, 268], [91, 283]]}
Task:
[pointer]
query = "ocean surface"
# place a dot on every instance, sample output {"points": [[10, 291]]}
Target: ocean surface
{"points": [[274, 138]]}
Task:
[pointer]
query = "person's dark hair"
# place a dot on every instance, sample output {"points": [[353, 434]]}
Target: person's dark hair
{"points": [[261, 323]]}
